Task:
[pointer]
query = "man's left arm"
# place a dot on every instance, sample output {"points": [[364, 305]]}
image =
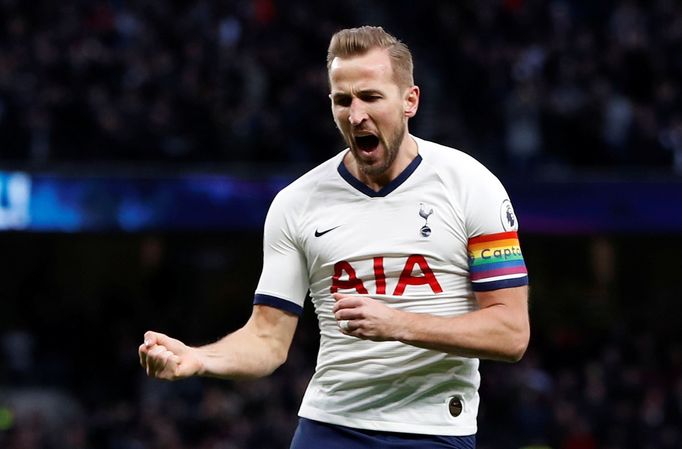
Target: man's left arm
{"points": [[498, 330]]}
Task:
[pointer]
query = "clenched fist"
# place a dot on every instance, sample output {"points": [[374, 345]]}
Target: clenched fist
{"points": [[166, 358]]}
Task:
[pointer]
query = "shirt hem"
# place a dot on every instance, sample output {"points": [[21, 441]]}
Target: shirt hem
{"points": [[453, 429]]}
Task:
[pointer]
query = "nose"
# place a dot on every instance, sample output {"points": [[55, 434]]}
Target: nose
{"points": [[357, 112]]}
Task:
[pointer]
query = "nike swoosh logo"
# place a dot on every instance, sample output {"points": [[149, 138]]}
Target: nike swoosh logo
{"points": [[319, 234]]}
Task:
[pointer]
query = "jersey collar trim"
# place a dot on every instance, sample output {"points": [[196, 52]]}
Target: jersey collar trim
{"points": [[388, 188]]}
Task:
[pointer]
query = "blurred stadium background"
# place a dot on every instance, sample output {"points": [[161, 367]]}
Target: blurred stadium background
{"points": [[141, 143]]}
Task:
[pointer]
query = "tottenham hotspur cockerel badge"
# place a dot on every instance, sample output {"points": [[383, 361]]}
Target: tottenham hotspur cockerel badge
{"points": [[425, 212]]}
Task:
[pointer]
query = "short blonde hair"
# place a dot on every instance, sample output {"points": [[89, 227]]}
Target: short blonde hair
{"points": [[358, 41]]}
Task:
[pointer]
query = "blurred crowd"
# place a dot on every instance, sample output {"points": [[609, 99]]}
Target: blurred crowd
{"points": [[603, 371], [520, 84]]}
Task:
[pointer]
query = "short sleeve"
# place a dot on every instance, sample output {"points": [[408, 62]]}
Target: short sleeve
{"points": [[494, 251], [284, 280]]}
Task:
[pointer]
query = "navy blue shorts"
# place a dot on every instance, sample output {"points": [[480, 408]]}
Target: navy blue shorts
{"points": [[315, 435]]}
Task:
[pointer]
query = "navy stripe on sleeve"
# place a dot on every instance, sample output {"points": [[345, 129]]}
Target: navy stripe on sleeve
{"points": [[496, 285], [278, 303]]}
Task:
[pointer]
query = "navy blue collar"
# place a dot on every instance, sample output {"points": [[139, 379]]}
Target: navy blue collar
{"points": [[388, 188]]}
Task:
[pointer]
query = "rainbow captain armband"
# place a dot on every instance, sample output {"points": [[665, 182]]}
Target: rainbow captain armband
{"points": [[495, 261]]}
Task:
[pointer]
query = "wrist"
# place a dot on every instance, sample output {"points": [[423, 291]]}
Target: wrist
{"points": [[402, 322], [199, 358]]}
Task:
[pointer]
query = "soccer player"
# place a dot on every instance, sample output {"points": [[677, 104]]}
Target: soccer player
{"points": [[409, 251]]}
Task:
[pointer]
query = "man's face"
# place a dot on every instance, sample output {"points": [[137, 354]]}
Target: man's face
{"points": [[369, 109]]}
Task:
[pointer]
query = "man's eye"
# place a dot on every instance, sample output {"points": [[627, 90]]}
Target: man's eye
{"points": [[371, 98], [342, 101]]}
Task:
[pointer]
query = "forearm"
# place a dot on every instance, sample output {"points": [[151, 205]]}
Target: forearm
{"points": [[242, 354], [490, 333], [255, 350]]}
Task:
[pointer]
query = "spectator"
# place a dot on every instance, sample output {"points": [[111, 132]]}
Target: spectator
{"points": [[532, 83]]}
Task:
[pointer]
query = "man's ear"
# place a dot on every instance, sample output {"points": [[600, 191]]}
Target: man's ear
{"points": [[411, 101]]}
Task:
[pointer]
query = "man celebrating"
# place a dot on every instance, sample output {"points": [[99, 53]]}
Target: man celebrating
{"points": [[409, 251]]}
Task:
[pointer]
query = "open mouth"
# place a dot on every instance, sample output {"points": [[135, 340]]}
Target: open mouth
{"points": [[367, 143]]}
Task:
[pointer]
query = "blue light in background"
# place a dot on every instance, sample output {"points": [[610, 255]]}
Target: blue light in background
{"points": [[15, 200], [209, 202], [60, 203]]}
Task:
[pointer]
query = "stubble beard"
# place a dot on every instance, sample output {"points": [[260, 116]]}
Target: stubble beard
{"points": [[391, 146]]}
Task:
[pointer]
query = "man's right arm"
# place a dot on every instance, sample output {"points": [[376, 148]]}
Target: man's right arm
{"points": [[262, 345], [255, 350]]}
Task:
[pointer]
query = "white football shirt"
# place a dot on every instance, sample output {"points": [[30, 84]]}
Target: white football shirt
{"points": [[441, 230]]}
